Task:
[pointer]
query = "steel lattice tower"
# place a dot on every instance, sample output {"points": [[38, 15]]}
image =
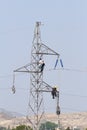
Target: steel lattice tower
{"points": [[37, 85]]}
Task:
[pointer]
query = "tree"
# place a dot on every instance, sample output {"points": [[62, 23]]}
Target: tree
{"points": [[2, 128], [68, 128], [22, 127], [48, 126]]}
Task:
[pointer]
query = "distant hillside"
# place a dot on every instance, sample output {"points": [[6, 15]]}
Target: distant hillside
{"points": [[4, 114], [69, 119]]}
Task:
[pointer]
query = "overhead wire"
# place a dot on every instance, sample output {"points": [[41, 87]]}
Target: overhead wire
{"points": [[62, 69], [68, 69], [69, 109], [59, 69], [72, 109], [11, 75], [14, 30], [75, 95], [52, 69], [66, 94]]}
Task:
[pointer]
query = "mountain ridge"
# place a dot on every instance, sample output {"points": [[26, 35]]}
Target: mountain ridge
{"points": [[10, 114], [77, 119]]}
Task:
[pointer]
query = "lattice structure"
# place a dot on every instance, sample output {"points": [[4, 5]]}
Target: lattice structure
{"points": [[37, 85]]}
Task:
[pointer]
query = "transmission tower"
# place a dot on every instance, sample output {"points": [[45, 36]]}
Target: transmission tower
{"points": [[37, 85]]}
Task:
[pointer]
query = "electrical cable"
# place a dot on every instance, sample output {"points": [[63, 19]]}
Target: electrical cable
{"points": [[62, 69], [68, 69], [75, 95]]}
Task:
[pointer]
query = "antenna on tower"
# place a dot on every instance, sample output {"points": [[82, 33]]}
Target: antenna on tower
{"points": [[37, 85]]}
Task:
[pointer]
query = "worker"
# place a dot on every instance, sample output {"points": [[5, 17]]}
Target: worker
{"points": [[41, 65], [54, 92]]}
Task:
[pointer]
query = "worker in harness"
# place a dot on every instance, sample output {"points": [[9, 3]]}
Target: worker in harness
{"points": [[41, 65], [54, 92]]}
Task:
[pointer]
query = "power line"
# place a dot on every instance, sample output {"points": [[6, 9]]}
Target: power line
{"points": [[59, 69], [10, 75], [66, 94], [65, 109], [72, 109], [75, 95], [68, 69], [14, 30]]}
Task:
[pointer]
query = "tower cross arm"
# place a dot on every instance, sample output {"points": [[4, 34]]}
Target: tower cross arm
{"points": [[47, 51], [25, 68], [46, 87]]}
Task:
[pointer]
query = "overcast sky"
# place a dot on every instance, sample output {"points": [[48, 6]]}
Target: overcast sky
{"points": [[64, 30]]}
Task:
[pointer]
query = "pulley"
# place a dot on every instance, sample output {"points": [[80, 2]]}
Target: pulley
{"points": [[58, 110], [13, 89]]}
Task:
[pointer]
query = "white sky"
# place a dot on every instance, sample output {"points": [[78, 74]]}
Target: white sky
{"points": [[64, 30]]}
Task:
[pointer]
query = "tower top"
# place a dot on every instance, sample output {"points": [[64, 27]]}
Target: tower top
{"points": [[38, 23]]}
